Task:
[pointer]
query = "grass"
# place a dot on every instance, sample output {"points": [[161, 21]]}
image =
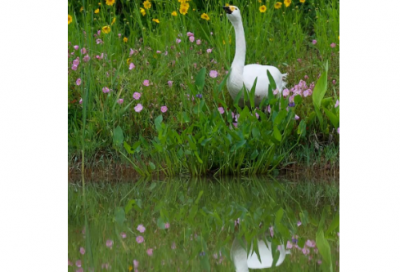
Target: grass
{"points": [[201, 215], [281, 37]]}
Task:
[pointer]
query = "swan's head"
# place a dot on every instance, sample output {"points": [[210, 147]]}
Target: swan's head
{"points": [[233, 13]]}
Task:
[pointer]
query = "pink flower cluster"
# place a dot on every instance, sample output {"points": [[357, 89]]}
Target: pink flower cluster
{"points": [[300, 89]]}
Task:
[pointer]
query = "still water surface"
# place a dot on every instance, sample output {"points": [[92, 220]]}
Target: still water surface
{"points": [[204, 225]]}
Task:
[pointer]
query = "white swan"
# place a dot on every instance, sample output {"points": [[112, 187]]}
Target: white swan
{"points": [[243, 263], [241, 74]]}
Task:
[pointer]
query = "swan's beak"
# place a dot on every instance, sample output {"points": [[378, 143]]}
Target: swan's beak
{"points": [[227, 9]]}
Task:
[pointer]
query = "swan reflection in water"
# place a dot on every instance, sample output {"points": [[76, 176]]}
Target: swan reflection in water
{"points": [[243, 263]]}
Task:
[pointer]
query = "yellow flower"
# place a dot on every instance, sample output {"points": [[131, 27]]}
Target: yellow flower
{"points": [[185, 5], [130, 268], [128, 60], [263, 8], [81, 9], [110, 2], [205, 17], [174, 13], [278, 5], [99, 4], [156, 20], [302, 1], [106, 29], [69, 19], [183, 1], [125, 39], [113, 21], [183, 10], [147, 4], [287, 3], [142, 11], [97, 11]]}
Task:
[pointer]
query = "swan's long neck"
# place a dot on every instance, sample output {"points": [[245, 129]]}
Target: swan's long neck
{"points": [[240, 51]]}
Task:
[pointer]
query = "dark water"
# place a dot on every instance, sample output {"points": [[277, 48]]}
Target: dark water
{"points": [[205, 225]]}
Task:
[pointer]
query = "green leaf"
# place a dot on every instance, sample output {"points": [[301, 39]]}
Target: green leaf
{"points": [[278, 216], [324, 248], [332, 117], [152, 166], [281, 115], [119, 215], [200, 79], [128, 148], [129, 206], [118, 136], [298, 100], [152, 186], [334, 224], [256, 132], [271, 81], [277, 134], [158, 122], [301, 130], [319, 93]]}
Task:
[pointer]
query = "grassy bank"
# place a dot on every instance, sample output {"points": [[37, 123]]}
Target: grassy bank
{"points": [[146, 85]]}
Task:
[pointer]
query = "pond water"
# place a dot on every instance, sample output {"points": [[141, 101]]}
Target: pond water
{"points": [[204, 225]]}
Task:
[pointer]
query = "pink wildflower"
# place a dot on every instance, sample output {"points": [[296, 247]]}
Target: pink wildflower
{"points": [[190, 34], [289, 245], [119, 35], [99, 41], [123, 234], [141, 228], [314, 41], [178, 40], [120, 101], [213, 73], [146, 82], [78, 81], [338, 130], [131, 66], [337, 104], [275, 92], [109, 243], [136, 95], [76, 47], [158, 52], [333, 45], [198, 42], [135, 263], [150, 252], [164, 109], [82, 250], [170, 83], [209, 50], [139, 239], [221, 110], [78, 263], [80, 101], [306, 93], [296, 117], [166, 225], [139, 108], [106, 90], [83, 51], [191, 38], [173, 246], [285, 92], [86, 58]]}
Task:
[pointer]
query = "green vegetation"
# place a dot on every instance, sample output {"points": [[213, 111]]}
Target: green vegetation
{"points": [[201, 227], [173, 125]]}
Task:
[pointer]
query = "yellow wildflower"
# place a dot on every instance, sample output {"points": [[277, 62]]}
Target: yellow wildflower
{"points": [[125, 39], [174, 13], [156, 20], [185, 5], [302, 1], [113, 21], [263, 8], [142, 11], [183, 10], [128, 60], [81, 9], [69, 19], [287, 3], [278, 5], [147, 4], [97, 11], [110, 2], [130, 268], [106, 29], [99, 4], [205, 17]]}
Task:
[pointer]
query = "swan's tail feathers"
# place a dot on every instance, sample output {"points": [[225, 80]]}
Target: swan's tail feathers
{"points": [[284, 80]]}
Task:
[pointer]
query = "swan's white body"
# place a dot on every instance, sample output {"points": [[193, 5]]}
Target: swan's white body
{"points": [[246, 75], [243, 263]]}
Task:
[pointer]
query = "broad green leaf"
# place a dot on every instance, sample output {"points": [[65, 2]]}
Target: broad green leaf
{"points": [[152, 166], [158, 122], [118, 136], [324, 248], [278, 216], [332, 117], [319, 93], [277, 134], [129, 206], [281, 115], [119, 215], [271, 81], [200, 79]]}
